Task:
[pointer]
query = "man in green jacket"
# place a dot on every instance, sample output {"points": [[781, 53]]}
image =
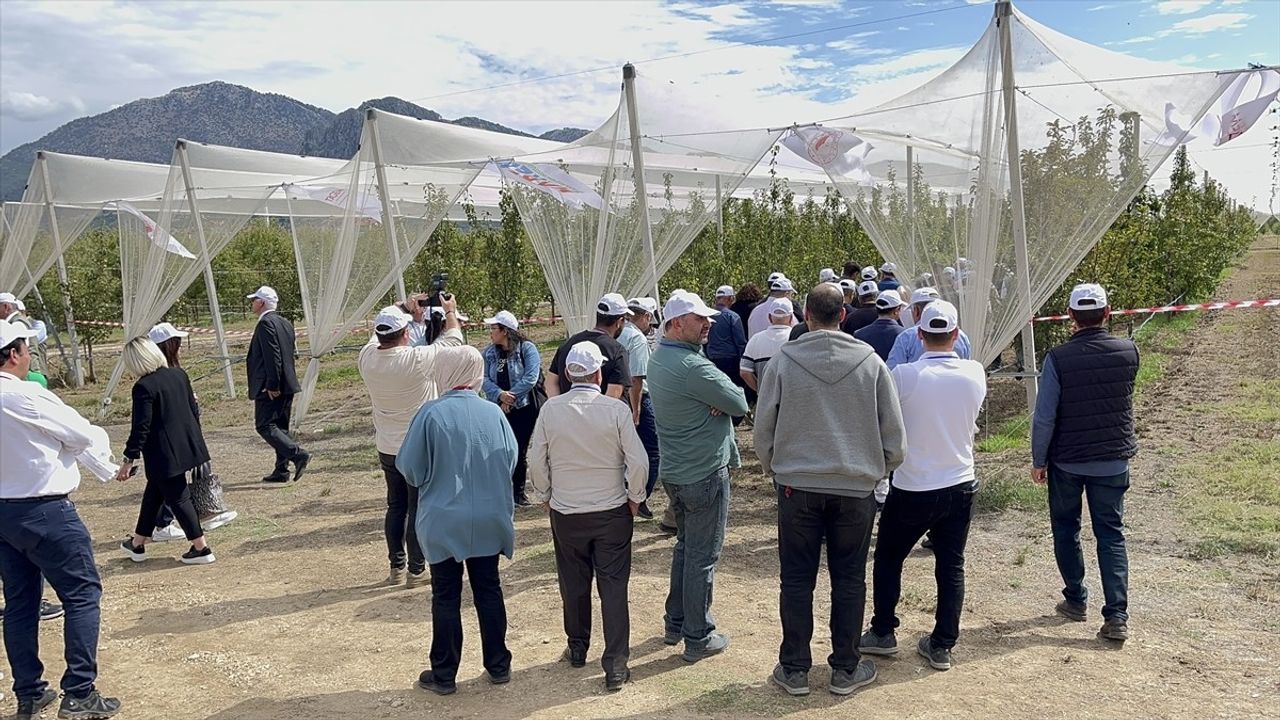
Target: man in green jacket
{"points": [[693, 403]]}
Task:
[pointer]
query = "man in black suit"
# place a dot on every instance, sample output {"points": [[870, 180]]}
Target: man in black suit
{"points": [[273, 382]]}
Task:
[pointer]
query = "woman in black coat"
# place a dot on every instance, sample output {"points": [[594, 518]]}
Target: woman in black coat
{"points": [[166, 435]]}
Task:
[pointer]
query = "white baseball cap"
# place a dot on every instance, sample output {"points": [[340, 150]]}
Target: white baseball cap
{"points": [[848, 285], [10, 298], [1088, 296], [889, 268], [584, 358], [391, 319], [827, 275], [775, 276], [948, 270], [924, 295], [868, 273], [780, 307], [504, 318], [725, 291], [613, 305], [939, 316], [644, 303], [266, 294], [868, 287], [165, 331], [781, 285], [888, 300], [10, 332], [684, 303]]}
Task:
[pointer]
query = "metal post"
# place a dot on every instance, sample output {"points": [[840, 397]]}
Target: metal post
{"points": [[210, 288], [637, 160], [388, 219], [911, 207], [1004, 11], [77, 374], [719, 220]]}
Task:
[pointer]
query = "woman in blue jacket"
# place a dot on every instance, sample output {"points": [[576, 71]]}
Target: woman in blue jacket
{"points": [[512, 368]]}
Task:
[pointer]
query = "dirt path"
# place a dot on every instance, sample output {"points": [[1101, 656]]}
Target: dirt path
{"points": [[291, 623]]}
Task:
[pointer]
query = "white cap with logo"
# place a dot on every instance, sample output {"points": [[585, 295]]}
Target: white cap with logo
{"points": [[644, 303], [265, 293], [781, 285], [504, 318], [889, 268], [775, 276], [888, 300], [868, 287], [11, 299], [939, 316], [613, 305], [165, 331], [827, 275], [868, 273], [584, 359], [684, 303], [725, 291], [1088, 296], [848, 285], [391, 319], [780, 307], [924, 295], [10, 332]]}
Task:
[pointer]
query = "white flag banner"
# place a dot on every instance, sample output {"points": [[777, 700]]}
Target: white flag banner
{"points": [[154, 232], [832, 149], [553, 181], [1241, 105], [367, 204]]}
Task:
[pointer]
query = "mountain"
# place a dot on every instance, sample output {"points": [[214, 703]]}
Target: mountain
{"points": [[220, 113]]}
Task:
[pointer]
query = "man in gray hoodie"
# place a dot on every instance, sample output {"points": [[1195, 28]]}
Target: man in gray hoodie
{"points": [[825, 476]]}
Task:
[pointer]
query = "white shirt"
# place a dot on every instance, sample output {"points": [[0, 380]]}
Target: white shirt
{"points": [[941, 396], [762, 346], [399, 381], [40, 437], [585, 455]]}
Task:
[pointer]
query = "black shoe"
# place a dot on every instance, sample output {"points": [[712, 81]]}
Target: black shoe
{"points": [[668, 529], [939, 658], [795, 682], [136, 553], [614, 681], [28, 709], [672, 638], [499, 679], [522, 500], [278, 477], [927, 543], [1074, 611], [577, 657], [427, 681], [50, 611], [873, 644], [90, 707], [1114, 630], [198, 557], [644, 511], [300, 464]]}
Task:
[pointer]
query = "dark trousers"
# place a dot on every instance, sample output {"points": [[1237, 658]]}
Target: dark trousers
{"points": [[599, 544], [174, 493], [47, 537], [521, 421], [805, 520], [402, 514], [446, 617], [944, 514], [648, 432], [271, 420], [1106, 511]]}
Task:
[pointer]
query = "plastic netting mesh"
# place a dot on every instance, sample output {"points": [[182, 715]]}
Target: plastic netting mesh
{"points": [[30, 244]]}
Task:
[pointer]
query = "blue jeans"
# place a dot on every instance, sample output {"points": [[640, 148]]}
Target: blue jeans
{"points": [[702, 509], [47, 537], [1106, 511], [648, 431]]}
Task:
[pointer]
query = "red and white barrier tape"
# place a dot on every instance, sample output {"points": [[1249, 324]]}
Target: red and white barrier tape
{"points": [[1228, 305], [184, 328]]}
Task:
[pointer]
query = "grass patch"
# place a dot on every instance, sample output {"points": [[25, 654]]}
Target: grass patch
{"points": [[1234, 500], [1012, 434], [1258, 401], [336, 375], [1008, 490]]}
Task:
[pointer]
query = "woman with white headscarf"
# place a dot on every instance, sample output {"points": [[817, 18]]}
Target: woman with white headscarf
{"points": [[459, 453]]}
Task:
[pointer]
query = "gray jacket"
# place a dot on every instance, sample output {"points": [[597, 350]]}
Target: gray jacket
{"points": [[828, 418]]}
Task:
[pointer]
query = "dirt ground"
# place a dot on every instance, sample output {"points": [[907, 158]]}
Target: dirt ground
{"points": [[293, 623]]}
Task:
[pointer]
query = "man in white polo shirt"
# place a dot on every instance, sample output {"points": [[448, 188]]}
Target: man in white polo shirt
{"points": [[400, 377], [588, 466], [933, 490], [780, 288], [764, 345]]}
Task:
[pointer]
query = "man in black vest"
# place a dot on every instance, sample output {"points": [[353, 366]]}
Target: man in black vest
{"points": [[1081, 442], [273, 381]]}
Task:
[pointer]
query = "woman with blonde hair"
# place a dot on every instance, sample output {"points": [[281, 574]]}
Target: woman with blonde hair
{"points": [[166, 435]]}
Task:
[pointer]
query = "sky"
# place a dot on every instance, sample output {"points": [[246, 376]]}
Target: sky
{"points": [[771, 63]]}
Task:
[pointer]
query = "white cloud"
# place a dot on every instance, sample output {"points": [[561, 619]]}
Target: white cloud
{"points": [[1096, 8], [1136, 40], [30, 106], [1207, 24], [1181, 7]]}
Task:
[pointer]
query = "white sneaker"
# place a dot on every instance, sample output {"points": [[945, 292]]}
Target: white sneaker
{"points": [[172, 531], [219, 520]]}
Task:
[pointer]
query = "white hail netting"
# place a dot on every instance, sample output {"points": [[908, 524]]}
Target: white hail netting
{"points": [[1091, 129], [581, 203], [30, 244]]}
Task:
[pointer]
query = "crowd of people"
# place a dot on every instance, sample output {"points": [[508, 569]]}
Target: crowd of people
{"points": [[862, 402]]}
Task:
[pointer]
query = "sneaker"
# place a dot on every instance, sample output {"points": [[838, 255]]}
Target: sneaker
{"points": [[795, 683], [28, 709], [136, 553], [644, 511], [844, 682], [417, 579], [716, 644], [522, 500], [172, 531], [499, 679], [1074, 611], [614, 681], [939, 658], [672, 638], [927, 543], [427, 681], [668, 529], [219, 520], [90, 707], [198, 557], [396, 577], [50, 611], [300, 464], [1114, 630], [872, 644]]}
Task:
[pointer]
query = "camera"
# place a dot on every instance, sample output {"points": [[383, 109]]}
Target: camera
{"points": [[435, 322], [423, 302]]}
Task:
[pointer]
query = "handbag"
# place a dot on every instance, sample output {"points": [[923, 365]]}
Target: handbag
{"points": [[538, 395]]}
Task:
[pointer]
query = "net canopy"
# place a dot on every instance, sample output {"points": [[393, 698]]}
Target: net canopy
{"points": [[934, 174]]}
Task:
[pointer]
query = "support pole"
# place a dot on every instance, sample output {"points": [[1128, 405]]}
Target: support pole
{"points": [[911, 207], [637, 160], [210, 287], [719, 219], [1004, 12], [388, 219], [77, 374]]}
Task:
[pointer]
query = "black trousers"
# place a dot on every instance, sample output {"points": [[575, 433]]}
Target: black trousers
{"points": [[599, 544], [945, 514], [446, 617], [521, 421], [271, 420], [805, 521], [173, 492], [401, 520]]}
